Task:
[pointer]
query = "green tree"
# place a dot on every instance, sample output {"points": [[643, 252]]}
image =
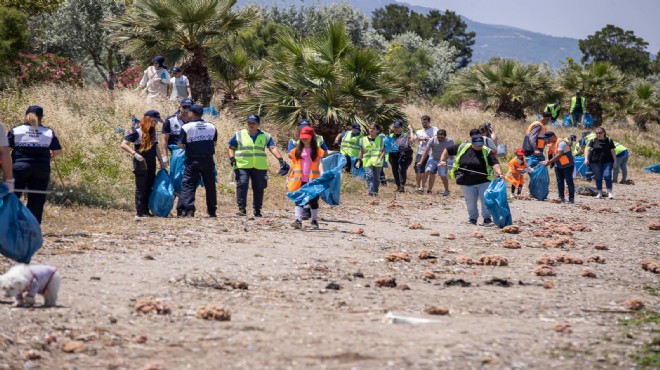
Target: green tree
{"points": [[14, 35], [621, 48], [507, 86], [235, 73], [185, 32], [644, 105], [327, 80], [32, 7], [393, 20], [452, 28]]}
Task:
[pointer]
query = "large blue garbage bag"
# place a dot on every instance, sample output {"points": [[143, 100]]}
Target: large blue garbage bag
{"points": [[20, 235], [357, 172], [334, 162], [176, 167], [313, 188], [588, 120], [581, 168], [497, 203], [533, 160], [210, 110], [390, 145], [654, 169], [161, 199], [567, 122], [539, 180]]}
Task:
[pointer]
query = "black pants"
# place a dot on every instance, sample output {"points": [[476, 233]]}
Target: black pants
{"points": [[565, 174], [194, 168], [33, 176], [259, 180], [144, 184], [400, 163]]}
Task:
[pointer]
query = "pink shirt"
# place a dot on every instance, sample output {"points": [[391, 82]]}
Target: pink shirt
{"points": [[306, 163]]}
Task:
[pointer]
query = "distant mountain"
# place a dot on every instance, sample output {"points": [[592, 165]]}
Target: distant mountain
{"points": [[491, 40]]}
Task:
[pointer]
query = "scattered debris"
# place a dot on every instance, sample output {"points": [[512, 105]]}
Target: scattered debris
{"points": [[493, 260], [386, 282], [546, 260], [550, 231], [558, 243], [523, 197], [434, 233], [146, 307], [394, 204], [437, 310], [499, 282], [403, 287], [639, 207], [398, 256], [209, 280], [634, 304], [459, 282], [511, 244], [580, 227], [555, 201], [140, 339], [549, 285], [511, 229], [217, 313], [545, 270], [32, 355], [596, 259], [654, 225], [477, 235], [450, 236], [415, 226], [568, 259], [430, 275], [607, 210], [587, 272], [464, 260], [601, 247], [333, 286], [357, 231], [426, 254], [358, 275], [585, 207], [563, 328], [391, 318], [651, 266], [73, 346], [374, 202]]}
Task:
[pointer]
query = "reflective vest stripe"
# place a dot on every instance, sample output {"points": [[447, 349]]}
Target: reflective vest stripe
{"points": [[372, 151], [251, 154], [350, 144], [295, 176], [582, 103]]}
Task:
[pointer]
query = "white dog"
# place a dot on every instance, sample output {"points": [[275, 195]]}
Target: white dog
{"points": [[33, 279]]}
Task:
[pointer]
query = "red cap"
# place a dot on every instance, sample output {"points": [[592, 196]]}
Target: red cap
{"points": [[520, 151], [306, 132]]}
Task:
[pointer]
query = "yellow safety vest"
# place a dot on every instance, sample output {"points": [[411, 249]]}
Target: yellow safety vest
{"points": [[461, 150], [582, 102], [251, 154], [554, 111], [372, 151], [350, 144]]}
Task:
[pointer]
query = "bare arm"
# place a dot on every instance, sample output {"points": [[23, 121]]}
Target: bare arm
{"points": [[166, 139], [276, 152], [126, 146], [230, 151], [189, 91], [5, 158], [498, 169], [424, 155], [55, 153]]}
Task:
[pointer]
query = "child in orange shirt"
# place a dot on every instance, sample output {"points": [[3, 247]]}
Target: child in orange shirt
{"points": [[517, 167]]}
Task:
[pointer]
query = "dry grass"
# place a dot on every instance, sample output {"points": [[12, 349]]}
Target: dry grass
{"points": [[88, 123]]}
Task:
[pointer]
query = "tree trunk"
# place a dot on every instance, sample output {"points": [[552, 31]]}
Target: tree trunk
{"points": [[594, 108], [111, 71], [200, 80], [510, 109]]}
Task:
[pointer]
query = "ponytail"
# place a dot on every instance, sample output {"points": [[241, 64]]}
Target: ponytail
{"points": [[32, 120]]}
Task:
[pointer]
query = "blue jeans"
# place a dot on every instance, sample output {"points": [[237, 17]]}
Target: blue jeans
{"points": [[472, 193], [577, 118], [565, 175], [373, 178], [621, 163], [602, 171]]}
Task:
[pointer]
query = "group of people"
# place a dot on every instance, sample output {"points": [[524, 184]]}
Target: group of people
{"points": [[577, 110], [158, 83]]}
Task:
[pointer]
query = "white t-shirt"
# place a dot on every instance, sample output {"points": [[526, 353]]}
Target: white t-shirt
{"points": [[179, 87], [425, 133]]}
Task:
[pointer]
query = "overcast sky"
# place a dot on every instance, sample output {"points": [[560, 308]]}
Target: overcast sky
{"points": [[570, 18]]}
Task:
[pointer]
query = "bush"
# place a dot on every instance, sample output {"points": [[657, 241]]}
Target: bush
{"points": [[126, 79], [49, 68], [14, 34]]}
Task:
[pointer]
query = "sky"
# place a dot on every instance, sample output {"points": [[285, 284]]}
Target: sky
{"points": [[568, 18]]}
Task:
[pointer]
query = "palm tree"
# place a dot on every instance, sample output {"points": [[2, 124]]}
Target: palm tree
{"points": [[327, 81], [235, 73], [186, 32], [644, 105], [507, 86]]}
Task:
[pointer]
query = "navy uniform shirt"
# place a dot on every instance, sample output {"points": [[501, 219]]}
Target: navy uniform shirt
{"points": [[135, 137], [172, 126], [199, 137], [32, 145]]}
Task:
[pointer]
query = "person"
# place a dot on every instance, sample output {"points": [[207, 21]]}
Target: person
{"points": [[488, 142], [517, 167], [33, 148], [491, 132], [306, 166], [350, 144], [578, 107], [601, 156], [145, 151], [179, 86], [293, 143], [433, 151], [402, 158], [247, 155], [621, 163], [372, 152], [473, 169], [198, 139], [155, 78], [534, 142], [423, 136], [575, 145], [5, 160], [172, 127], [553, 109], [561, 156], [587, 138]]}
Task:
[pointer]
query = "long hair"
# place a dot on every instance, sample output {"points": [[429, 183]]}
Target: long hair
{"points": [[314, 147], [32, 120], [148, 134]]}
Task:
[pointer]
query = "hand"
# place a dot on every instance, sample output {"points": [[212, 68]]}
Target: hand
{"points": [[9, 183], [358, 164], [336, 142], [537, 152], [138, 157], [442, 164], [545, 163], [232, 161], [165, 159], [417, 164], [586, 162]]}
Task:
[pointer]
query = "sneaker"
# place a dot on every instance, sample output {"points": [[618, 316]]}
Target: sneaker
{"points": [[213, 215], [257, 214], [307, 214], [571, 201], [190, 213], [610, 195], [315, 225], [472, 222], [138, 218], [599, 196], [420, 191], [445, 193], [563, 200], [179, 213], [429, 192], [400, 189], [297, 224], [241, 212], [488, 222], [622, 182]]}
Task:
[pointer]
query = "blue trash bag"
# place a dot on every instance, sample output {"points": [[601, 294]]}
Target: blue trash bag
{"points": [[654, 169], [335, 163], [391, 146], [210, 110], [497, 203], [568, 121], [357, 172], [555, 123], [588, 120], [539, 181], [21, 236], [313, 188], [176, 167], [580, 167], [161, 199], [533, 160]]}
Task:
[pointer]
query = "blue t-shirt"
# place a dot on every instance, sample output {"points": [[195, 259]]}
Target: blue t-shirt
{"points": [[32, 145], [199, 137], [234, 143], [172, 126]]}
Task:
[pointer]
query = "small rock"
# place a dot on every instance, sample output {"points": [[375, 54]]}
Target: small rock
{"points": [[651, 266], [357, 231], [426, 254], [634, 304], [459, 282], [434, 233], [403, 287], [596, 259], [398, 256], [549, 285], [511, 244], [73, 347], [511, 229], [477, 235], [32, 355], [655, 225], [140, 339], [358, 275], [374, 202], [415, 226], [386, 282], [450, 236], [601, 247], [437, 310], [333, 286], [588, 273], [563, 328], [213, 313], [545, 270], [428, 275]]}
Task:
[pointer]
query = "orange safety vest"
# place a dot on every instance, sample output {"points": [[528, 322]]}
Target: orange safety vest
{"points": [[540, 140], [295, 176], [565, 158], [515, 175]]}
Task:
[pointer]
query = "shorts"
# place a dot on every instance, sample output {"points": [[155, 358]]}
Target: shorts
{"points": [[422, 166], [432, 165], [444, 170]]}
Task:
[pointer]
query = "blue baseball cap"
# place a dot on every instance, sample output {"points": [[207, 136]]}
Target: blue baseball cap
{"points": [[197, 109], [176, 70], [477, 140], [549, 134], [153, 114], [356, 126], [187, 102], [37, 110], [303, 123], [253, 118], [159, 59], [398, 124]]}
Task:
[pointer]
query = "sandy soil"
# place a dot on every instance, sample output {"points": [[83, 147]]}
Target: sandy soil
{"points": [[289, 317]]}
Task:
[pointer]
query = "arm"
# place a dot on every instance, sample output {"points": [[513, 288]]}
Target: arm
{"points": [[189, 92], [498, 170], [5, 158], [276, 152], [159, 157], [587, 150], [338, 138], [166, 139], [533, 138], [424, 155], [126, 146]]}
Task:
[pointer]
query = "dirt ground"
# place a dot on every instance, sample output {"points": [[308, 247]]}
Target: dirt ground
{"points": [[311, 300]]}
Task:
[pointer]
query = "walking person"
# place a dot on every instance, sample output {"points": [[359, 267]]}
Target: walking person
{"points": [[179, 87], [402, 158], [621, 163], [145, 152], [578, 108], [433, 151], [306, 166], [534, 142], [371, 157], [247, 155], [155, 78], [423, 136], [473, 169], [5, 160], [488, 142], [350, 144], [172, 127], [293, 142], [601, 156], [561, 156], [198, 139]]}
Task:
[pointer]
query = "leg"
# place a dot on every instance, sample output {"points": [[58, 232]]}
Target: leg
{"points": [[242, 184], [189, 185], [607, 175], [419, 171], [259, 184], [568, 176], [485, 213], [559, 173], [513, 189], [208, 176], [615, 171], [403, 168], [598, 175], [38, 180], [377, 171], [348, 166], [151, 179], [623, 166], [314, 205], [431, 177], [394, 162], [141, 199], [50, 295], [21, 172], [369, 174], [471, 194]]}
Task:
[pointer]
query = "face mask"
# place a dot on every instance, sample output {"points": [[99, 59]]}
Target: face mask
{"points": [[521, 160]]}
